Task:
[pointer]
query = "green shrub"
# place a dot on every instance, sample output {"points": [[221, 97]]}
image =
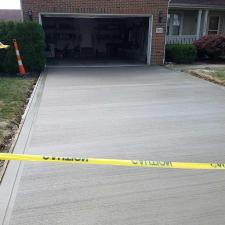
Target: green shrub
{"points": [[181, 53], [31, 41]]}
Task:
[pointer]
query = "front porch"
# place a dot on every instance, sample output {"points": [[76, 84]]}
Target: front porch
{"points": [[188, 25]]}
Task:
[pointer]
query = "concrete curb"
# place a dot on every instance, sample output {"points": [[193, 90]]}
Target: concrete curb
{"points": [[15, 139], [12, 174]]}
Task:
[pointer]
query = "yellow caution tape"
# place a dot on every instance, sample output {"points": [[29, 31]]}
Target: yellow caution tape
{"points": [[114, 162]]}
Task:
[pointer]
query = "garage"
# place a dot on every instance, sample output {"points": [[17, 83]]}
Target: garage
{"points": [[79, 39]]}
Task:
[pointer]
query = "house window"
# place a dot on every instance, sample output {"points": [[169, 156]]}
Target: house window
{"points": [[213, 24], [174, 24]]}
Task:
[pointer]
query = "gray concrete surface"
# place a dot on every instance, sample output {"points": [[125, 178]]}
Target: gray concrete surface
{"points": [[93, 62], [126, 113]]}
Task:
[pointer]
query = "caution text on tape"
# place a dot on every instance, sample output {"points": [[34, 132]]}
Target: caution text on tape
{"points": [[114, 162]]}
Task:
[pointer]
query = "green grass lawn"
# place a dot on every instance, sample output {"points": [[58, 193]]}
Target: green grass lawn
{"points": [[14, 92], [220, 75]]}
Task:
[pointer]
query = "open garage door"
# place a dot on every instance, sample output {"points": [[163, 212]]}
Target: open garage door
{"points": [[94, 39]]}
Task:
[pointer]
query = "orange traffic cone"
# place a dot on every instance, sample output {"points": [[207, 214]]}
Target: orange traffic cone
{"points": [[19, 60]]}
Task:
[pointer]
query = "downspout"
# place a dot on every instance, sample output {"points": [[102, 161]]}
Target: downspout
{"points": [[164, 58], [21, 8]]}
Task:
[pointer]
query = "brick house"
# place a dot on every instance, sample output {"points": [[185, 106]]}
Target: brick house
{"points": [[188, 20], [114, 29]]}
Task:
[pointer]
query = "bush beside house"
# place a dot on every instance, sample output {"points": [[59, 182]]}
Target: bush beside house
{"points": [[181, 53], [31, 40], [211, 46]]}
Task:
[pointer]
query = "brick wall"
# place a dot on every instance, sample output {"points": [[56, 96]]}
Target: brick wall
{"points": [[152, 7]]}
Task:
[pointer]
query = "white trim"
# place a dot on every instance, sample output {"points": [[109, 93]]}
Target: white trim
{"points": [[21, 10], [17, 52], [39, 19], [149, 48], [92, 15], [164, 50], [20, 62]]}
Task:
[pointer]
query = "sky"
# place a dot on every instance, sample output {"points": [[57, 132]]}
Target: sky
{"points": [[9, 4]]}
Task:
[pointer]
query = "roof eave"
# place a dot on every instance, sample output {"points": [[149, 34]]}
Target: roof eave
{"points": [[195, 6]]}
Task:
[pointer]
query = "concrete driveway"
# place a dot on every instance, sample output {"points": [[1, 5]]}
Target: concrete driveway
{"points": [[126, 113]]}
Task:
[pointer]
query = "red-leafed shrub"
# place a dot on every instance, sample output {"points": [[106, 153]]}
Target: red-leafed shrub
{"points": [[211, 46]]}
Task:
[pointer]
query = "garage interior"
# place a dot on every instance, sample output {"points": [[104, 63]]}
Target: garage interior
{"points": [[121, 39]]}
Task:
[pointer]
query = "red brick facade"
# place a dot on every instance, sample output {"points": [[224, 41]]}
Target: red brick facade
{"points": [[157, 8]]}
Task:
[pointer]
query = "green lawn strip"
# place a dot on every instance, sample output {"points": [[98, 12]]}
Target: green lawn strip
{"points": [[14, 92], [220, 75], [216, 76]]}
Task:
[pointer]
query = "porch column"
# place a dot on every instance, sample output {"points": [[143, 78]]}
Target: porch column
{"points": [[205, 22], [199, 24]]}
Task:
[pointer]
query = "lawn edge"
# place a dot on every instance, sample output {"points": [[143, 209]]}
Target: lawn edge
{"points": [[205, 77], [16, 135]]}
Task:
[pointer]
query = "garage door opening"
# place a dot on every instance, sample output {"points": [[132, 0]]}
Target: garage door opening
{"points": [[118, 39]]}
